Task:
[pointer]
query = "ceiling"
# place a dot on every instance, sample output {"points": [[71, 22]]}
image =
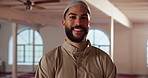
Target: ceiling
{"points": [[135, 10], [43, 14]]}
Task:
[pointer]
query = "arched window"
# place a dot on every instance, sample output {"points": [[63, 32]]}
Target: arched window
{"points": [[99, 39], [25, 47]]}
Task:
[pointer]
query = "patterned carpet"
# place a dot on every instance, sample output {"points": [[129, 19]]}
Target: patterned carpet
{"points": [[131, 76], [31, 75], [20, 75]]}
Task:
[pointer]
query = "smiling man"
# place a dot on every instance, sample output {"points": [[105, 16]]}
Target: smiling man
{"points": [[76, 58], [76, 23]]}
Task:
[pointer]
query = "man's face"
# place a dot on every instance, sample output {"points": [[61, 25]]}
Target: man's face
{"points": [[76, 23]]}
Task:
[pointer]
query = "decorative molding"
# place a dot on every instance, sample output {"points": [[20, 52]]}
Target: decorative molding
{"points": [[111, 10]]}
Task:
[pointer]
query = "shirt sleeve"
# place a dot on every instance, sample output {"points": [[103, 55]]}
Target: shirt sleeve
{"points": [[109, 68], [45, 68]]}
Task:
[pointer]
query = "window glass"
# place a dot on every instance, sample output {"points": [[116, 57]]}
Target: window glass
{"points": [[99, 39], [25, 47]]}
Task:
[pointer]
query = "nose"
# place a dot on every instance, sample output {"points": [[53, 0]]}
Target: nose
{"points": [[78, 21]]}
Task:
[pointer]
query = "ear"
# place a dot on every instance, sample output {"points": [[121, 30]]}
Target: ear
{"points": [[89, 24], [63, 23]]}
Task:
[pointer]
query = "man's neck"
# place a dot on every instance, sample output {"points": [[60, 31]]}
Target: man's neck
{"points": [[80, 45]]}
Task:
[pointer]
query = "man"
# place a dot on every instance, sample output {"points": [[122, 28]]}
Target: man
{"points": [[76, 58]]}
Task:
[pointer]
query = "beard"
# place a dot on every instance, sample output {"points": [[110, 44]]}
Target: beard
{"points": [[70, 36]]}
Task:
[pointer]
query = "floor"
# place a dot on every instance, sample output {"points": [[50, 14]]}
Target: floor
{"points": [[31, 75], [130, 76], [20, 75]]}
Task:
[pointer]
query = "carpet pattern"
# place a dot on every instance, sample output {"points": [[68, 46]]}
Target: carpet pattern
{"points": [[31, 75]]}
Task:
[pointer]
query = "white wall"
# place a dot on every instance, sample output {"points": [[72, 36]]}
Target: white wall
{"points": [[140, 37], [5, 32], [52, 37], [130, 45], [123, 54]]}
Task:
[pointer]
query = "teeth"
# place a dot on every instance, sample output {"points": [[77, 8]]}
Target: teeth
{"points": [[78, 29]]}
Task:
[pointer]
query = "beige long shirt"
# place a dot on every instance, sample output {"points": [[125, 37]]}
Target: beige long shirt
{"points": [[66, 62]]}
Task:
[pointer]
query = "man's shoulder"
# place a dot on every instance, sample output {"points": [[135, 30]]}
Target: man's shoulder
{"points": [[98, 51], [100, 54], [53, 52]]}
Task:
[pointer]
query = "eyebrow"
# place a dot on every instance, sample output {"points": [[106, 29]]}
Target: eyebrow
{"points": [[72, 14], [76, 14]]}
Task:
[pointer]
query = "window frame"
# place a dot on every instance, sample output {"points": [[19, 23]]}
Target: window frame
{"points": [[18, 60], [99, 46]]}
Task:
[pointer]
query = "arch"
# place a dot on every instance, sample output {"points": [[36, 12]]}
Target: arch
{"points": [[99, 39], [25, 47]]}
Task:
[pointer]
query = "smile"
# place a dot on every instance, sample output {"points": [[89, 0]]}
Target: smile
{"points": [[78, 29]]}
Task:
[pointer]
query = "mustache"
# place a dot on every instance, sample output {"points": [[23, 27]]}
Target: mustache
{"points": [[79, 26]]}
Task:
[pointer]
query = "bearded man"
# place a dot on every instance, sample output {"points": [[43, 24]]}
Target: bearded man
{"points": [[76, 58]]}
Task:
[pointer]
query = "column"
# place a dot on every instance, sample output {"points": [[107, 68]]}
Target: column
{"points": [[14, 66], [112, 39], [33, 51]]}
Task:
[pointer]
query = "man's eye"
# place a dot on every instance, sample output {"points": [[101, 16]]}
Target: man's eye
{"points": [[84, 18], [73, 17]]}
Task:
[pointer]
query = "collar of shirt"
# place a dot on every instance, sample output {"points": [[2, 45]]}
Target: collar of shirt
{"points": [[72, 49]]}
